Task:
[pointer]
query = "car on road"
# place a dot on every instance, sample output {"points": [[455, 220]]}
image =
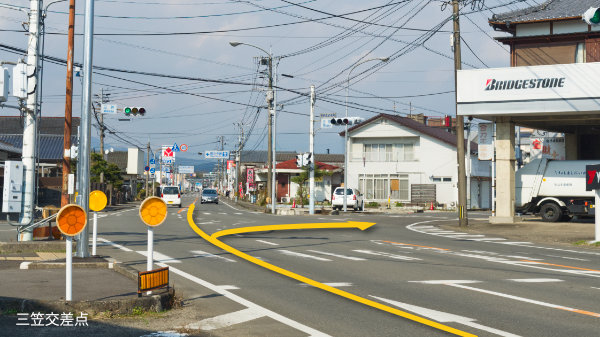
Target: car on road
{"points": [[209, 195], [171, 195], [354, 199]]}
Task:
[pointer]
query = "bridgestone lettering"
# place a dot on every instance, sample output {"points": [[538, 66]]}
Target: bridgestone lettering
{"points": [[535, 83]]}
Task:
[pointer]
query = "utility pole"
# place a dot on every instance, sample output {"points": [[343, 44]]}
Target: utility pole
{"points": [[460, 124], [311, 168], [29, 154], [66, 164], [83, 249], [270, 98], [103, 100], [147, 164], [238, 161]]}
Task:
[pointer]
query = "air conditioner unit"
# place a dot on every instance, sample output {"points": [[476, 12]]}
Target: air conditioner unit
{"points": [[285, 199]]}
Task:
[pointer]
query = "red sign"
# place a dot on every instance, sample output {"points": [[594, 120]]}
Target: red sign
{"points": [[593, 177], [168, 152], [230, 164], [250, 175]]}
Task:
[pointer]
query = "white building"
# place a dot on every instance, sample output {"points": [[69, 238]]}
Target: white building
{"points": [[410, 162]]}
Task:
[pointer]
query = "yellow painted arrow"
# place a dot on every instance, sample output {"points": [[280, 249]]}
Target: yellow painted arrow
{"points": [[214, 240], [349, 224]]}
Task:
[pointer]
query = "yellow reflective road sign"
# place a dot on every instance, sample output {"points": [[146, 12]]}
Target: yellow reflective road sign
{"points": [[97, 200], [153, 211], [71, 219]]}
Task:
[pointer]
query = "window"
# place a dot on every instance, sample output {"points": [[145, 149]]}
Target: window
{"points": [[388, 152], [441, 179], [382, 186]]}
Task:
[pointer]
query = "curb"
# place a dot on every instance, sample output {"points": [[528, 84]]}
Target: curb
{"points": [[33, 246], [154, 303]]}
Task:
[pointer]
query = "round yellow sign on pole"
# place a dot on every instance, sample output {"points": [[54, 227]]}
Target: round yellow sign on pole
{"points": [[153, 211], [97, 200], [71, 219]]}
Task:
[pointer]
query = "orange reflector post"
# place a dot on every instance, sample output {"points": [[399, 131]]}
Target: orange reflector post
{"points": [[153, 211], [71, 219]]}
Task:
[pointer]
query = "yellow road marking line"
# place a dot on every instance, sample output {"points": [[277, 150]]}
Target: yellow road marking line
{"points": [[348, 224], [183, 209], [560, 265], [319, 285]]}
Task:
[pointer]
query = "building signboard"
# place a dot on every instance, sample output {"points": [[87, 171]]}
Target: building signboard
{"points": [[549, 145], [485, 148]]}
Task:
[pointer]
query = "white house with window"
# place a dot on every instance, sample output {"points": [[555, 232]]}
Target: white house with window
{"points": [[410, 162]]}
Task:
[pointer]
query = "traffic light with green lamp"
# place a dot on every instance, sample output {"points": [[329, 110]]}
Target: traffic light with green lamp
{"points": [[134, 110], [592, 16]]}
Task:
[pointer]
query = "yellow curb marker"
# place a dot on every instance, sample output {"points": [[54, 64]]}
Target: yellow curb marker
{"points": [[361, 225]]}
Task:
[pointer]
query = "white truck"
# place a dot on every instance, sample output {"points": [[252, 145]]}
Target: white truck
{"points": [[554, 188]]}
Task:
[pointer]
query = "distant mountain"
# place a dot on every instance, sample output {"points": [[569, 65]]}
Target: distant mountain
{"points": [[199, 164]]}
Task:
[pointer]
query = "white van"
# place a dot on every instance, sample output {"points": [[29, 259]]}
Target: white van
{"points": [[171, 195]]}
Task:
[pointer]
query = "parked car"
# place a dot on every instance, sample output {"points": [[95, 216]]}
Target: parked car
{"points": [[171, 195], [209, 195], [354, 199]]}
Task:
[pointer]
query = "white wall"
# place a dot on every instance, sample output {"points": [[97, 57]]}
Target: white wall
{"points": [[433, 158]]}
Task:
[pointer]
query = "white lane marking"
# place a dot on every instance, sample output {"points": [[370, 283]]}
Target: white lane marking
{"points": [[206, 213], [523, 299], [418, 226], [239, 210], [268, 243], [306, 256], [393, 256], [228, 287], [159, 257], [535, 280], [223, 213], [569, 258], [353, 258], [238, 213], [331, 284], [444, 317], [201, 253], [24, 265], [250, 305], [446, 281], [226, 320], [595, 288], [123, 248]]}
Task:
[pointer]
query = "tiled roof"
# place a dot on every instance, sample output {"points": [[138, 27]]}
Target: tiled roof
{"points": [[119, 158], [46, 125], [51, 147], [291, 165], [437, 133], [549, 10], [7, 147]]}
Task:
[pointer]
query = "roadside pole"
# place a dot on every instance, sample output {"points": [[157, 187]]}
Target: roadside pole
{"points": [[29, 154], [66, 164], [147, 164], [463, 220], [311, 167], [83, 249], [596, 203]]}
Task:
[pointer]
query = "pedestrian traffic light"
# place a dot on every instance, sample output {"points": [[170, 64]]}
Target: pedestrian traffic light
{"points": [[134, 110], [299, 160], [592, 16], [346, 121]]}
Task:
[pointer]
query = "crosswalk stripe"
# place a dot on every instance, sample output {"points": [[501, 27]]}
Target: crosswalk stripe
{"points": [[226, 320], [159, 257], [201, 253], [353, 258], [393, 256]]}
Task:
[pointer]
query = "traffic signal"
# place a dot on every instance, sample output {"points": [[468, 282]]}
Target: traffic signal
{"points": [[134, 110], [346, 121], [592, 16], [307, 158], [299, 160]]}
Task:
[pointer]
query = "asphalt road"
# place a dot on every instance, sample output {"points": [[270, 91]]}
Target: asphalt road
{"points": [[482, 285]]}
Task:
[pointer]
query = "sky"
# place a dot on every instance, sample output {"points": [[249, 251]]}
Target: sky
{"points": [[202, 88]]}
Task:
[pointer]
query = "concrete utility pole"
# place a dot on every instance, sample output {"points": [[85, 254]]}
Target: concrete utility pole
{"points": [[270, 136], [147, 164], [66, 164], [274, 154], [311, 168], [103, 99], [238, 161], [460, 125], [83, 249], [29, 154]]}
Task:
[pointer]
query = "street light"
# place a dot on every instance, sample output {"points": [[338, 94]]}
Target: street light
{"points": [[271, 159], [382, 59]]}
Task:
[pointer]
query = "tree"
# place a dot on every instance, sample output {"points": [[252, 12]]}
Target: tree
{"points": [[112, 173], [303, 178]]}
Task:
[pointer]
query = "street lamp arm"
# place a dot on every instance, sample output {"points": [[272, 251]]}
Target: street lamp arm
{"points": [[235, 44]]}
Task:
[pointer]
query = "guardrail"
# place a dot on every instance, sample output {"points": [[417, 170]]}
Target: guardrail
{"points": [[153, 279]]}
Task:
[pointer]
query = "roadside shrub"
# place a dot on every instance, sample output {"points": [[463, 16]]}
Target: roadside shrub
{"points": [[372, 204], [399, 204]]}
